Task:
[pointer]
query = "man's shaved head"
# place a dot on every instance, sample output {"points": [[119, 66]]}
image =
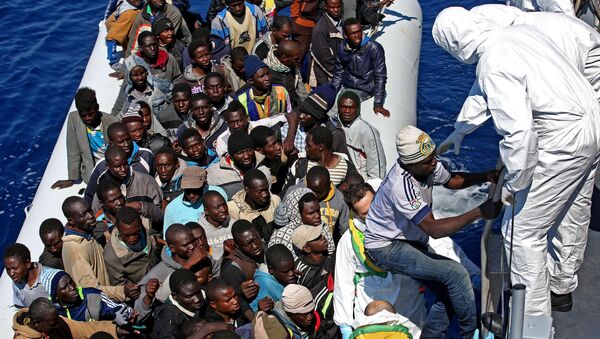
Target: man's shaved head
{"points": [[377, 306], [287, 47]]}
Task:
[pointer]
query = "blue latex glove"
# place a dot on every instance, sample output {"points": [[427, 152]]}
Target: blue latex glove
{"points": [[111, 52], [346, 331]]}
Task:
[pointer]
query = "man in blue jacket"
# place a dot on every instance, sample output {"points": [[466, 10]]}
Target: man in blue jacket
{"points": [[360, 66]]}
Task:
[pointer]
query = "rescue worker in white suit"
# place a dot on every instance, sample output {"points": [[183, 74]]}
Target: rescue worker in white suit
{"points": [[549, 118]]}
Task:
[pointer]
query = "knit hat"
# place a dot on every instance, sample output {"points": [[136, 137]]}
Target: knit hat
{"points": [[50, 279], [161, 24], [319, 101], [305, 234], [297, 299], [413, 145], [251, 65], [287, 211], [238, 141], [132, 114], [193, 177]]}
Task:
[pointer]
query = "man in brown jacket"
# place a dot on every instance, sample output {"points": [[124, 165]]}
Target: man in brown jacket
{"points": [[82, 255], [127, 255], [86, 137]]}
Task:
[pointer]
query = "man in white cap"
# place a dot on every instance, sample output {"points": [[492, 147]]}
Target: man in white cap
{"points": [[547, 113], [293, 315], [400, 222]]}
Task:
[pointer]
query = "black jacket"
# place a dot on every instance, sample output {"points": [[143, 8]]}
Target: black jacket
{"points": [[362, 69], [326, 42]]}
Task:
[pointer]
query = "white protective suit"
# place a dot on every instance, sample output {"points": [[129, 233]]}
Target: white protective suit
{"points": [[556, 6], [548, 116]]}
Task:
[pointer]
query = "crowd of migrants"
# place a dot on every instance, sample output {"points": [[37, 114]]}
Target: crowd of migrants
{"points": [[228, 188]]}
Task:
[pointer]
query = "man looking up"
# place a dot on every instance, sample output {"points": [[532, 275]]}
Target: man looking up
{"points": [[51, 233], [240, 264], [240, 24], [86, 137], [355, 67], [400, 221], [83, 256]]}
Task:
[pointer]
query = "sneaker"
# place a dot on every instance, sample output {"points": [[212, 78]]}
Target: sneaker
{"points": [[561, 302]]}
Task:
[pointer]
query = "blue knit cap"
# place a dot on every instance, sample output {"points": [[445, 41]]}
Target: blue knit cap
{"points": [[50, 279], [251, 65]]}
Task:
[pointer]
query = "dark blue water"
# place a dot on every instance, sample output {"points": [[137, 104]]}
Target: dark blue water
{"points": [[45, 49]]}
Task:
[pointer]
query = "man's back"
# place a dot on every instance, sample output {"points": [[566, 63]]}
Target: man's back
{"points": [[523, 54]]}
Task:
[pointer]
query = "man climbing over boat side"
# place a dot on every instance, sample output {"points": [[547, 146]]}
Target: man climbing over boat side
{"points": [[548, 116], [360, 66], [400, 222], [86, 137]]}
